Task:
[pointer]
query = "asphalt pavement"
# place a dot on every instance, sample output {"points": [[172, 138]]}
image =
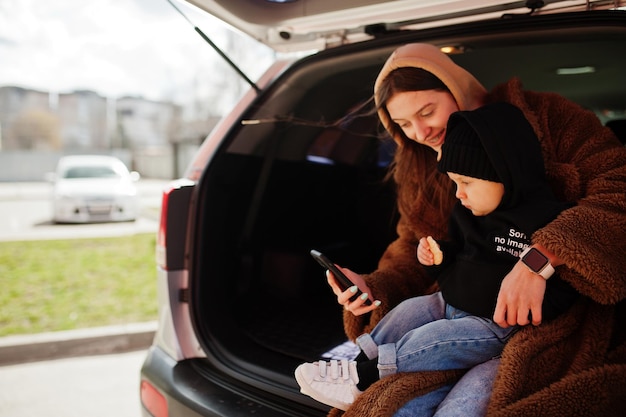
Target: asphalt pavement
{"points": [[86, 386], [77, 373], [26, 211]]}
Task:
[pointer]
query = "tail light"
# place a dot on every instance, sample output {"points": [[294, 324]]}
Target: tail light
{"points": [[153, 400], [172, 233], [161, 243]]}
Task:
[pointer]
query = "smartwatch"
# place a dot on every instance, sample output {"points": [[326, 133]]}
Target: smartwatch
{"points": [[537, 262]]}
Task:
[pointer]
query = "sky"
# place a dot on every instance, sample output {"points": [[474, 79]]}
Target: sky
{"points": [[119, 48]]}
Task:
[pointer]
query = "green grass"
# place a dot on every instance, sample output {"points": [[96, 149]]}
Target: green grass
{"points": [[76, 283]]}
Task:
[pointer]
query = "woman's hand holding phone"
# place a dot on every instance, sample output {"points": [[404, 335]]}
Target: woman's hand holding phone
{"points": [[357, 306], [348, 286]]}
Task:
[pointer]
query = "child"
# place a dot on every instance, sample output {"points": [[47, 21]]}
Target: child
{"points": [[494, 158]]}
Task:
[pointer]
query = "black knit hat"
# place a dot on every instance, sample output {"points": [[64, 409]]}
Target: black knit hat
{"points": [[463, 153]]}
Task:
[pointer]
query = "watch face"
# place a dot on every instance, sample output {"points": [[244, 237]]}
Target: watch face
{"points": [[535, 260]]}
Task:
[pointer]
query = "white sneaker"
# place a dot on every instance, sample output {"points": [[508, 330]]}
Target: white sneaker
{"points": [[332, 383]]}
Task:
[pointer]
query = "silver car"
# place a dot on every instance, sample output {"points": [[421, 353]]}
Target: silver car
{"points": [[93, 188], [273, 181]]}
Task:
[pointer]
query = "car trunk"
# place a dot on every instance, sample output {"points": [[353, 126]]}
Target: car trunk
{"points": [[277, 190], [284, 182]]}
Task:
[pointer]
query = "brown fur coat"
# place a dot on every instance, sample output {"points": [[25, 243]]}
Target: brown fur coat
{"points": [[575, 365]]}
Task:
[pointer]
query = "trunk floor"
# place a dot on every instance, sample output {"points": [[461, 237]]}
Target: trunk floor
{"points": [[303, 333]]}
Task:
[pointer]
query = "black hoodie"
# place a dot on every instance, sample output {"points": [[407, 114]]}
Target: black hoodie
{"points": [[481, 250]]}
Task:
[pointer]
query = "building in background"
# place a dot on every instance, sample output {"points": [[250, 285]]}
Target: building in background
{"points": [[38, 127], [145, 124], [26, 120], [82, 117]]}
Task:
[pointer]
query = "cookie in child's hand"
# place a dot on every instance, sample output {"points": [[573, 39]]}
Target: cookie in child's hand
{"points": [[434, 248]]}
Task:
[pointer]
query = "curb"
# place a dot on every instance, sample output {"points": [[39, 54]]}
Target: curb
{"points": [[71, 343]]}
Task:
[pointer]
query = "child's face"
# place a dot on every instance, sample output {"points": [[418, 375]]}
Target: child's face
{"points": [[481, 197]]}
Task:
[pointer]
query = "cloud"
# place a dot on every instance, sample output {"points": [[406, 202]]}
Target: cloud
{"points": [[113, 47]]}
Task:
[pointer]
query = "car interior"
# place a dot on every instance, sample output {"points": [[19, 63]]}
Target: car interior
{"points": [[310, 173]]}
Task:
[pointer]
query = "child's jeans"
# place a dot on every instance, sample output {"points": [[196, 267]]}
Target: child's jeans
{"points": [[425, 333]]}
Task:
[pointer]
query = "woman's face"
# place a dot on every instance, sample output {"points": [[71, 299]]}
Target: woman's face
{"points": [[423, 115], [479, 196]]}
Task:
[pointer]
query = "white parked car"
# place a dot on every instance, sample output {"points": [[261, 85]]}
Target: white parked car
{"points": [[93, 188]]}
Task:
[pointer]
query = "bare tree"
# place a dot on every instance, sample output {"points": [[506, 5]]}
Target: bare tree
{"points": [[35, 129]]}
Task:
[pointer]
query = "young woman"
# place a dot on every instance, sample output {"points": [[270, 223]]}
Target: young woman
{"points": [[581, 355], [493, 157]]}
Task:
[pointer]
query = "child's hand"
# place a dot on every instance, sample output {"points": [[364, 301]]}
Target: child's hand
{"points": [[428, 252], [424, 255]]}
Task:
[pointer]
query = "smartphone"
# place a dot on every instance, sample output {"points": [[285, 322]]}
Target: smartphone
{"points": [[341, 278]]}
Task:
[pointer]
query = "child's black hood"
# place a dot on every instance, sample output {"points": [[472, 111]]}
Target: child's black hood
{"points": [[512, 148]]}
